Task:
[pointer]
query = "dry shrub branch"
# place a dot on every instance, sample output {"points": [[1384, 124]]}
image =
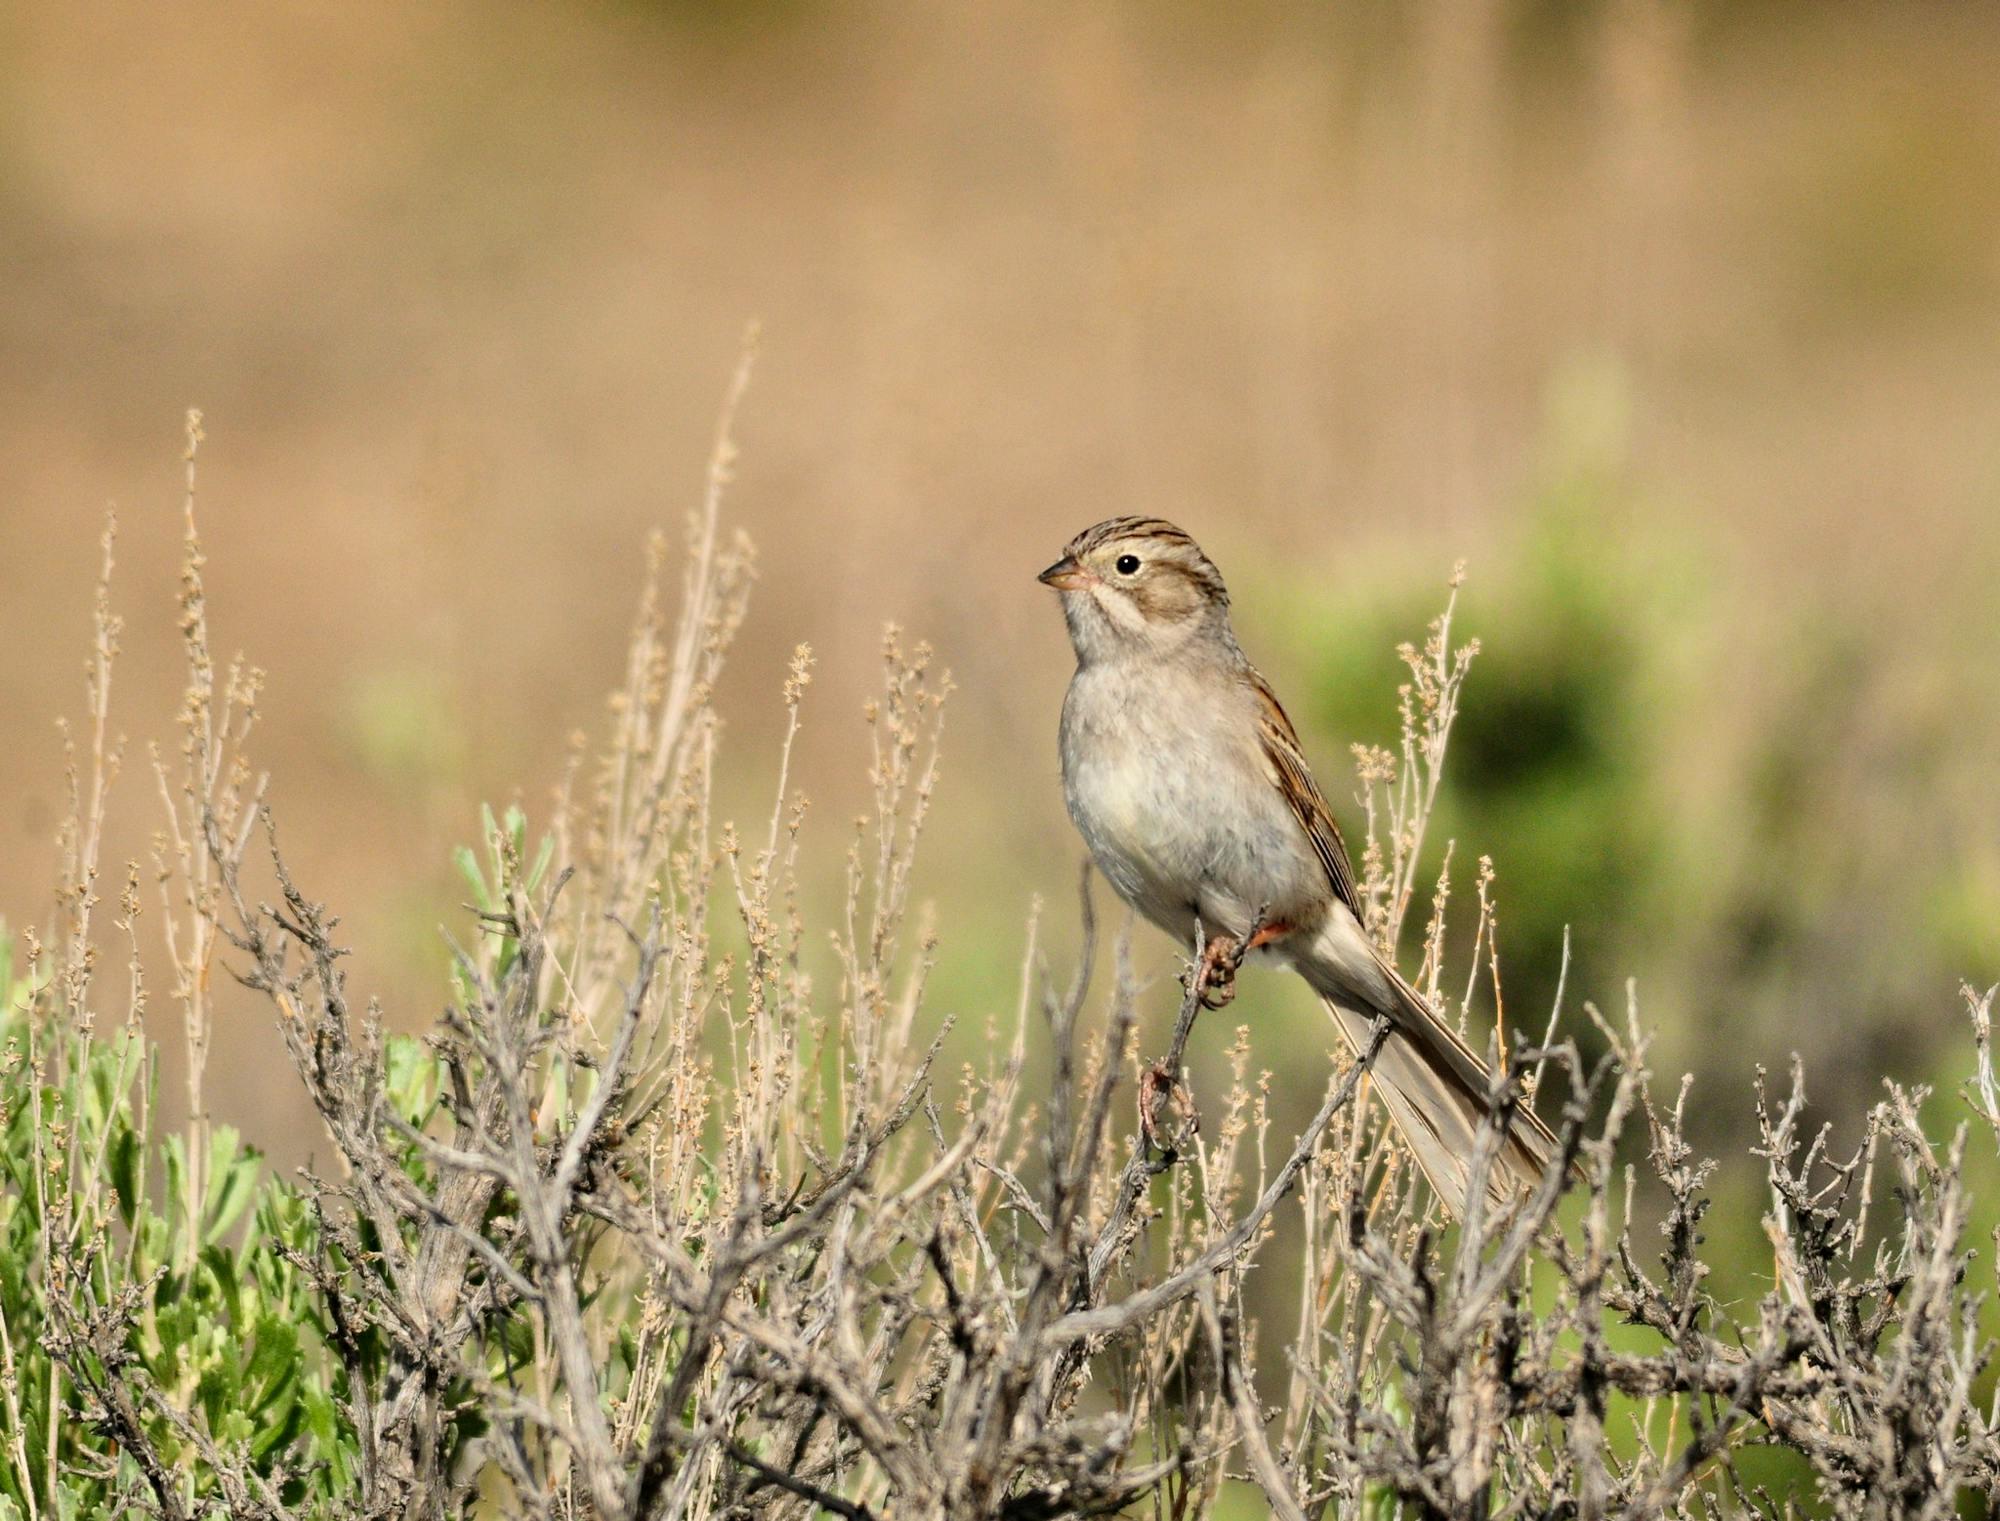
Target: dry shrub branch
{"points": [[654, 1222]]}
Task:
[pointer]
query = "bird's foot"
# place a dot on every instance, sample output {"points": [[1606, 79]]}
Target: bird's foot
{"points": [[1158, 1085], [1215, 974]]}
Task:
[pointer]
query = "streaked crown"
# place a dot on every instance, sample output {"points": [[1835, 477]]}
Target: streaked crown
{"points": [[1154, 540]]}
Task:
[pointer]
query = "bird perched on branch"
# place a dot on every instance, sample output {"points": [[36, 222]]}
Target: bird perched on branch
{"points": [[1187, 782]]}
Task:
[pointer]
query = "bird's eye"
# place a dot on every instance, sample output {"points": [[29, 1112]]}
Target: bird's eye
{"points": [[1127, 564]]}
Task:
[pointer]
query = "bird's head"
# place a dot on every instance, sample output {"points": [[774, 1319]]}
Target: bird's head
{"points": [[1138, 586]]}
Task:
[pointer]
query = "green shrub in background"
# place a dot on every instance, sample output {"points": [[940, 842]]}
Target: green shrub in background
{"points": [[1850, 859], [1554, 758], [1759, 831]]}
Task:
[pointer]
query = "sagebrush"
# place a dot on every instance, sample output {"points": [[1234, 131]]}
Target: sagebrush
{"points": [[654, 1223]]}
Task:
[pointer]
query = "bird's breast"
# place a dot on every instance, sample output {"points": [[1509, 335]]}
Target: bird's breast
{"points": [[1175, 805], [1140, 815]]}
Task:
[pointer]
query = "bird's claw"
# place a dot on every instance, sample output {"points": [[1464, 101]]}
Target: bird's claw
{"points": [[1215, 973]]}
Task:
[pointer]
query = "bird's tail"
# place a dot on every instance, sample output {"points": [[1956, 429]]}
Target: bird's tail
{"points": [[1435, 1090]]}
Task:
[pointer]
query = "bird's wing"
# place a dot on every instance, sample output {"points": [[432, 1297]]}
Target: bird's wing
{"points": [[1295, 781]]}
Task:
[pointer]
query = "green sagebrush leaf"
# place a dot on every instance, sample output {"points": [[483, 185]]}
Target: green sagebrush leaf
{"points": [[221, 1266], [468, 868], [274, 1361], [412, 1079], [122, 1160], [543, 856], [232, 1181]]}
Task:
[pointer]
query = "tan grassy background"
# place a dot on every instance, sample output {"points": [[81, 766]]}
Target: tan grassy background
{"points": [[1685, 316]]}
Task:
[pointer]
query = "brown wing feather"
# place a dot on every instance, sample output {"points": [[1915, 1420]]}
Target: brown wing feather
{"points": [[1295, 780]]}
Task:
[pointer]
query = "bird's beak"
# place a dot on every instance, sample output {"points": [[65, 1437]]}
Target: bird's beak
{"points": [[1066, 575]]}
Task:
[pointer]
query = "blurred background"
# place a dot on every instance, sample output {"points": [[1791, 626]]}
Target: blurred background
{"points": [[1679, 322]]}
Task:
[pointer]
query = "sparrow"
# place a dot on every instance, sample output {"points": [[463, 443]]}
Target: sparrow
{"points": [[1191, 791]]}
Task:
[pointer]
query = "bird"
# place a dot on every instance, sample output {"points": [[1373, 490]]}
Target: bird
{"points": [[1192, 793]]}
